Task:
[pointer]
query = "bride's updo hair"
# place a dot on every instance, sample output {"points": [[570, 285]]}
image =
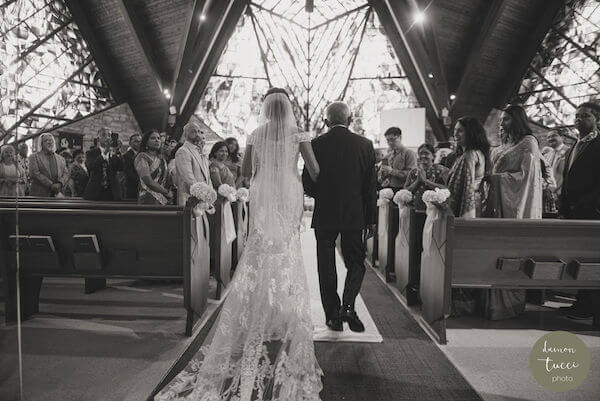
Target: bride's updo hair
{"points": [[276, 90]]}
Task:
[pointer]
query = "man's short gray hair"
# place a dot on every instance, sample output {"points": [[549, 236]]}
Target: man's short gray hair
{"points": [[337, 113], [189, 128]]}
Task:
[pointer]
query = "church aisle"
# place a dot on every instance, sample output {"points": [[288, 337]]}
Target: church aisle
{"points": [[406, 366]]}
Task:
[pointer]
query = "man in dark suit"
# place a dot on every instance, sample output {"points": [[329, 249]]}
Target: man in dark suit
{"points": [[103, 162], [345, 203], [580, 195], [132, 180]]}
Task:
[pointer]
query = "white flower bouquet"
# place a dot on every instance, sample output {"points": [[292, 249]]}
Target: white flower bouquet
{"points": [[385, 196], [403, 198], [243, 195], [203, 197], [440, 198], [228, 192]]}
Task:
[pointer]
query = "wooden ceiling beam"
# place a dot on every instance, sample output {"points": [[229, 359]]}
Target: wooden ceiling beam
{"points": [[414, 58], [512, 81], [209, 59], [472, 61], [136, 28], [105, 65]]}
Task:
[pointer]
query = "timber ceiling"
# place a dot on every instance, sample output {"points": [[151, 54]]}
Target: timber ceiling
{"points": [[478, 50]]}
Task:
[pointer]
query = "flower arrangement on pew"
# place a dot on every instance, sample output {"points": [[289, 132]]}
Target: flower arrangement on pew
{"points": [[385, 196], [403, 198], [203, 198], [228, 192], [440, 198], [243, 195]]}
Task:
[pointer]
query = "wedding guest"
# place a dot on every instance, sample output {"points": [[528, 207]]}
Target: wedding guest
{"points": [[12, 175], [234, 162], [466, 175], [132, 180], [191, 165], [79, 173], [399, 163], [515, 192], [23, 161], [103, 163], [426, 176], [151, 167], [556, 158], [219, 171], [68, 189], [580, 196], [47, 170]]}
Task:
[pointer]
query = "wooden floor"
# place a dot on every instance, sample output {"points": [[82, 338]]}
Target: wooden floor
{"points": [[406, 366]]}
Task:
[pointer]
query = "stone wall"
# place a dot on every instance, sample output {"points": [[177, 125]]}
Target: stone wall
{"points": [[119, 119]]}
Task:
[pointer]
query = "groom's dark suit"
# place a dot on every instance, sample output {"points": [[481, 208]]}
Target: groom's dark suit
{"points": [[345, 203]]}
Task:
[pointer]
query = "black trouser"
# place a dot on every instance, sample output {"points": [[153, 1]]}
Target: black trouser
{"points": [[353, 252]]}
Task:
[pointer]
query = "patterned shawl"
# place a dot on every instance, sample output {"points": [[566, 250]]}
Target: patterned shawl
{"points": [[461, 186]]}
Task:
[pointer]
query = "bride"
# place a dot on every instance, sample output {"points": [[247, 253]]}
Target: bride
{"points": [[262, 347]]}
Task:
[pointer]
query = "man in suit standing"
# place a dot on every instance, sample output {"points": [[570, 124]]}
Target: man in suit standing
{"points": [[47, 170], [580, 195], [191, 165], [345, 203], [103, 163], [132, 180]]}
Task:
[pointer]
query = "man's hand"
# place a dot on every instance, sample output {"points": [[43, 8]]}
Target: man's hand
{"points": [[370, 231], [55, 188]]}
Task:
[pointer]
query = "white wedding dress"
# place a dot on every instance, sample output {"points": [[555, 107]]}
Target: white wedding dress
{"points": [[262, 347]]}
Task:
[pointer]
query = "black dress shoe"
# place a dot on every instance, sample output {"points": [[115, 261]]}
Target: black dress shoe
{"points": [[350, 316], [335, 324]]}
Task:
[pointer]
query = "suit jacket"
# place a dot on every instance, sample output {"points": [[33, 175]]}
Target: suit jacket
{"points": [[132, 180], [97, 165], [345, 194], [580, 195], [39, 173], [191, 167]]}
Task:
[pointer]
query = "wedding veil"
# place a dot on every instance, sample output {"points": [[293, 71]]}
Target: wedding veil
{"points": [[274, 162]]}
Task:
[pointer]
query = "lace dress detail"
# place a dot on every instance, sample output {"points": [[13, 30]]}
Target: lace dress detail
{"points": [[262, 347]]}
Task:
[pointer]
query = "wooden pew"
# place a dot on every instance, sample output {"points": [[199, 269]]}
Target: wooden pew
{"points": [[221, 252], [136, 241], [409, 245], [468, 251], [387, 229]]}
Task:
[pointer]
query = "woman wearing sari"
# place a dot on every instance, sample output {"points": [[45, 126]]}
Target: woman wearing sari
{"points": [[515, 192], [219, 172], [466, 175], [425, 177], [152, 170]]}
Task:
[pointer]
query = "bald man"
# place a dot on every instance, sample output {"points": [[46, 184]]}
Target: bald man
{"points": [[345, 204], [191, 165]]}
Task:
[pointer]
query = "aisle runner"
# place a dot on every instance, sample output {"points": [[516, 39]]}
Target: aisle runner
{"points": [[321, 331]]}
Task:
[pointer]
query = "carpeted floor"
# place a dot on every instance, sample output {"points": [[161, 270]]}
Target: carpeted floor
{"points": [[406, 366]]}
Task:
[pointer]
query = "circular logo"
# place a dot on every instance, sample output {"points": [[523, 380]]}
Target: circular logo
{"points": [[559, 361]]}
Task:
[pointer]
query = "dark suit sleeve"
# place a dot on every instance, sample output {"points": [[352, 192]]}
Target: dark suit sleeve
{"points": [[370, 186], [129, 168], [309, 185], [116, 162]]}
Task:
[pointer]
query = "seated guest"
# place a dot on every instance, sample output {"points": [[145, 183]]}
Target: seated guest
{"points": [[426, 176], [12, 175], [219, 172], [47, 170], [103, 163], [68, 189], [23, 161], [580, 196], [191, 165], [400, 161], [466, 175], [79, 173], [234, 162], [132, 180], [151, 167]]}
